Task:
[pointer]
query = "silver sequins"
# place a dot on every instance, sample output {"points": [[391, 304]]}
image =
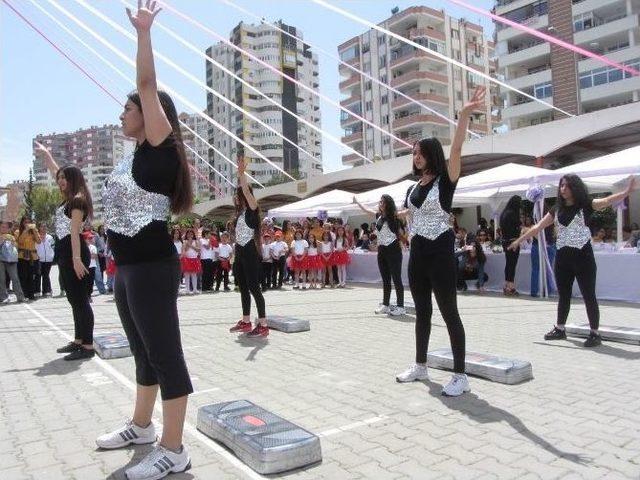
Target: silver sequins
{"points": [[575, 235], [430, 220], [385, 236], [129, 208], [63, 223], [244, 234]]}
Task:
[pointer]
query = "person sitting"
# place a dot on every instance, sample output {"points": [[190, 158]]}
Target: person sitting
{"points": [[364, 243], [471, 266], [600, 236]]}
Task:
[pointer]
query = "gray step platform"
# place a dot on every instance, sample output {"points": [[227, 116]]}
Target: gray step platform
{"points": [[410, 307], [111, 345], [491, 367], [607, 332], [288, 324], [264, 441]]}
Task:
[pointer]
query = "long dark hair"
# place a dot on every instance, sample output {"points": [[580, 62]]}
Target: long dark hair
{"points": [[390, 211], [76, 186], [431, 150], [578, 190], [480, 256], [512, 209], [182, 196]]}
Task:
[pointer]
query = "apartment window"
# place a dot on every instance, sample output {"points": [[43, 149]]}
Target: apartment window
{"points": [[381, 40], [584, 21], [543, 90], [368, 106], [384, 100], [383, 61], [385, 120], [367, 85]]}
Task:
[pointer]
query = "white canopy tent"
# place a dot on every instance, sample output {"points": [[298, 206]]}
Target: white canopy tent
{"points": [[332, 202], [397, 191]]}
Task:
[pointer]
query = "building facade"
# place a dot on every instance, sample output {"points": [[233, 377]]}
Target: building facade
{"points": [[423, 77], [567, 80], [285, 54], [202, 176], [95, 150]]}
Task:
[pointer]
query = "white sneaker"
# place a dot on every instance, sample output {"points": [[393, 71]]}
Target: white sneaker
{"points": [[458, 385], [395, 311], [413, 373], [382, 308], [126, 435], [159, 463]]}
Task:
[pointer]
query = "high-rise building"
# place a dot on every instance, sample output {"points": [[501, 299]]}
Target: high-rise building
{"points": [[429, 80], [565, 79], [95, 150], [294, 59], [202, 177]]}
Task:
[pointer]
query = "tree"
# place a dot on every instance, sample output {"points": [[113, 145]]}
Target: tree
{"points": [[45, 201]]}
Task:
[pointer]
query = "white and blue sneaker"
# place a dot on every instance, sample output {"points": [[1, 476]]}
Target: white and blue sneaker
{"points": [[128, 434], [159, 463], [382, 309], [458, 385], [414, 373], [396, 311]]}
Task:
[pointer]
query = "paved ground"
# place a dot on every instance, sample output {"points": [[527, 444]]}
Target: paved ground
{"points": [[579, 418]]}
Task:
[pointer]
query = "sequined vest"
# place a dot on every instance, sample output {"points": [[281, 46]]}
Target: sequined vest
{"points": [[385, 236], [244, 233], [63, 223], [128, 208], [430, 220], [575, 235]]}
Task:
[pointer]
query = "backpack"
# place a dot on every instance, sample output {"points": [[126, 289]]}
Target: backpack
{"points": [[8, 252]]}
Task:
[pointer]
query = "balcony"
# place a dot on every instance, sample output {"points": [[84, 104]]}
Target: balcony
{"points": [[412, 55], [530, 54], [426, 32], [410, 120], [352, 81], [413, 77], [352, 99], [587, 6], [420, 97], [350, 159], [525, 81], [353, 138], [538, 22], [608, 29], [346, 120], [527, 108]]}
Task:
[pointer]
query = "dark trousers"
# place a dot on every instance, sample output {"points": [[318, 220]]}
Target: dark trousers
{"points": [[92, 274], [246, 270], [277, 272], [77, 297], [27, 275], [221, 274], [511, 262], [146, 296], [390, 265], [435, 272], [43, 282], [207, 274], [265, 276], [573, 264]]}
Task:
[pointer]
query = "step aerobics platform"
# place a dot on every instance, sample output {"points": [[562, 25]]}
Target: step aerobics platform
{"points": [[111, 345], [264, 441], [491, 367], [607, 332], [288, 324]]}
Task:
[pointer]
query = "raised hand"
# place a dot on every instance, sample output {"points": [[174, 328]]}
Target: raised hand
{"points": [[242, 166], [143, 19], [476, 102]]}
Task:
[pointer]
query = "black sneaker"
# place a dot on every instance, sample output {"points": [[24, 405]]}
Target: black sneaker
{"points": [[593, 340], [556, 334], [69, 347], [80, 354]]}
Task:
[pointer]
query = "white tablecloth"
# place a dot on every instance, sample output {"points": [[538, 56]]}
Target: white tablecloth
{"points": [[618, 273]]}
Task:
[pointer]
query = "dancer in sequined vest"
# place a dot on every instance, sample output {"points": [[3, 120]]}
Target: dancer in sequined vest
{"points": [[574, 257]]}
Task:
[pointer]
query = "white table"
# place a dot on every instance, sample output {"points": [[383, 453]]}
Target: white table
{"points": [[618, 273]]}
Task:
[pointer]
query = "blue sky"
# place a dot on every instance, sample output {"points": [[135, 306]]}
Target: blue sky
{"points": [[41, 92]]}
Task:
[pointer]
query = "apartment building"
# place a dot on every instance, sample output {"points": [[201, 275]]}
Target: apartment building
{"points": [[426, 78], [567, 80]]}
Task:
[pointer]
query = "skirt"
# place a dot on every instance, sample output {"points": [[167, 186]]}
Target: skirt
{"points": [[298, 264], [314, 262], [341, 258], [326, 262], [111, 267], [191, 265], [225, 264]]}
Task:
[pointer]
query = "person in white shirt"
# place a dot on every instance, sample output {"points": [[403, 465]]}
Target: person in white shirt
{"points": [[314, 263], [206, 261], [225, 256], [177, 241], [191, 266], [267, 263], [326, 255], [278, 250], [299, 248], [94, 268], [45, 256]]}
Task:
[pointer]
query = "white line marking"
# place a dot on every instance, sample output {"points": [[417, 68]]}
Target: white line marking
{"points": [[190, 429], [200, 392], [353, 425]]}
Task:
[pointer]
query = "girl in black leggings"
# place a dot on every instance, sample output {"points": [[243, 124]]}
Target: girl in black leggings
{"points": [[74, 258], [574, 257], [510, 225], [432, 264], [389, 253], [247, 264]]}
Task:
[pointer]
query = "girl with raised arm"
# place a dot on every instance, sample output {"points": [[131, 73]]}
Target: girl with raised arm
{"points": [[139, 197], [432, 264]]}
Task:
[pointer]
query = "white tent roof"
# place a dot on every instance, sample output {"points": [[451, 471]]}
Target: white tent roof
{"points": [[333, 202], [398, 192]]}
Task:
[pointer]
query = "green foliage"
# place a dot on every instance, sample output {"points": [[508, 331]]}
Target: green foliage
{"points": [[44, 202]]}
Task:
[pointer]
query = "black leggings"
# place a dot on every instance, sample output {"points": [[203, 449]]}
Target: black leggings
{"points": [[78, 299], [390, 265], [146, 295], [246, 270], [435, 272], [27, 275], [511, 262], [573, 264], [277, 272]]}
